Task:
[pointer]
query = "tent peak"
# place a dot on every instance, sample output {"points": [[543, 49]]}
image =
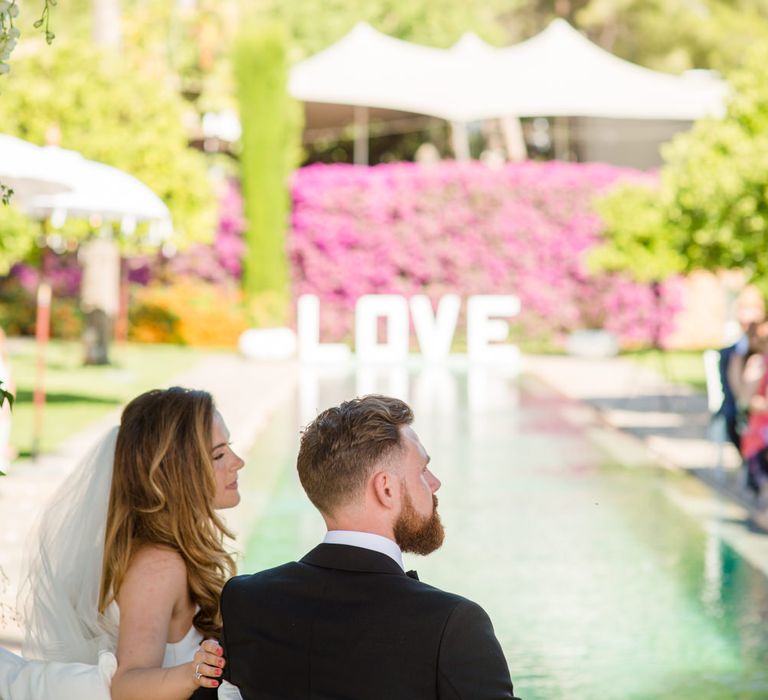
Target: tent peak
{"points": [[469, 41], [558, 72], [363, 28], [560, 22], [560, 29]]}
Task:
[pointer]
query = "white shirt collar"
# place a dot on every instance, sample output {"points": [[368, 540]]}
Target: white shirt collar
{"points": [[366, 540]]}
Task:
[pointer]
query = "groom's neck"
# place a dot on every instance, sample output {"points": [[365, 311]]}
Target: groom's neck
{"points": [[360, 522]]}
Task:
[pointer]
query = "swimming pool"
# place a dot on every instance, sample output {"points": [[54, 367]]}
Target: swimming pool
{"points": [[600, 587]]}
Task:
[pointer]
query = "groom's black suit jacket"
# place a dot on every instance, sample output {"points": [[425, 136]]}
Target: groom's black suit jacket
{"points": [[345, 623]]}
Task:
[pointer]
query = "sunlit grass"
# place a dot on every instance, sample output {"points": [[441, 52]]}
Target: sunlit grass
{"points": [[77, 395]]}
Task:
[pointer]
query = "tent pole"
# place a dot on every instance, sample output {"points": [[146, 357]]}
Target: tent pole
{"points": [[562, 138], [512, 130], [361, 136], [460, 140]]}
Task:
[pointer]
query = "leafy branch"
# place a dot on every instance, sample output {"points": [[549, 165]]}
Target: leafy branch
{"points": [[9, 37], [9, 397], [9, 32], [45, 20], [5, 396]]}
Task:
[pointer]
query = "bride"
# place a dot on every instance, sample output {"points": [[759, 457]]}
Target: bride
{"points": [[125, 583]]}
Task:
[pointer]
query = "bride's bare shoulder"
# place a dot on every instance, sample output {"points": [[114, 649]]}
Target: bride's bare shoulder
{"points": [[155, 583], [157, 562]]}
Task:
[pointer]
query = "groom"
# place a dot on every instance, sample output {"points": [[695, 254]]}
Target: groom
{"points": [[347, 621]]}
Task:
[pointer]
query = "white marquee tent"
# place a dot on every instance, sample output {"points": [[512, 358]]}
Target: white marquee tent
{"points": [[368, 68], [559, 72]]}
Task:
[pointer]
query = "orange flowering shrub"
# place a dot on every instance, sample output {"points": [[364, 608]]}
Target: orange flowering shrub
{"points": [[187, 312]]}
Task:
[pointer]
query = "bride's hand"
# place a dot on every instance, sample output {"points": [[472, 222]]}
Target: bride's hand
{"points": [[208, 663]]}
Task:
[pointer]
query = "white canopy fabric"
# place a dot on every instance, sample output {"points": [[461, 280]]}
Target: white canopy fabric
{"points": [[561, 73], [556, 73], [368, 68]]}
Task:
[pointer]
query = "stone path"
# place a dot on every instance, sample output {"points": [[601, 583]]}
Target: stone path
{"points": [[650, 419], [246, 393], [671, 419]]}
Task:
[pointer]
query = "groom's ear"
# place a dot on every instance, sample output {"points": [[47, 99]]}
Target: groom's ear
{"points": [[386, 489]]}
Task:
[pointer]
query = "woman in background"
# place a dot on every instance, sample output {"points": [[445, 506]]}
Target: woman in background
{"points": [[752, 396]]}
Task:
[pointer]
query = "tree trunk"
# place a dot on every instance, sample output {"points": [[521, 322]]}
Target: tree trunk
{"points": [[99, 296], [563, 8]]}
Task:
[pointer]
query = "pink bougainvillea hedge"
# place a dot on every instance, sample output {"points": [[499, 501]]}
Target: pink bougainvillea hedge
{"points": [[524, 229]]}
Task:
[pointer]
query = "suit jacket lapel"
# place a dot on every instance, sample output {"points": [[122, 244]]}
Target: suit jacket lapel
{"points": [[349, 558]]}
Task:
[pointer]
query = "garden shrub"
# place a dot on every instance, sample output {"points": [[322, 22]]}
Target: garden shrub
{"points": [[17, 236], [115, 112], [222, 261], [525, 229], [187, 312], [709, 209], [17, 312], [18, 293]]}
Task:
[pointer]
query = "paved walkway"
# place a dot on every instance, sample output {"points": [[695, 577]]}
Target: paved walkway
{"points": [[671, 419], [246, 393], [653, 420]]}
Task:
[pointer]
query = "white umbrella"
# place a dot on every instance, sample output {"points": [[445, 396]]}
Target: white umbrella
{"points": [[25, 168], [103, 191]]}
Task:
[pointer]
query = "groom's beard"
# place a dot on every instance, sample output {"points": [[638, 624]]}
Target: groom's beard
{"points": [[416, 533]]}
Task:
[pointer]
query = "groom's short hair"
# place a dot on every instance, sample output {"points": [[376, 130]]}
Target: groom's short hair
{"points": [[341, 446]]}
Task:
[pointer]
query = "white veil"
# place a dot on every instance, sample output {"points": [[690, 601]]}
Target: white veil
{"points": [[59, 598]]}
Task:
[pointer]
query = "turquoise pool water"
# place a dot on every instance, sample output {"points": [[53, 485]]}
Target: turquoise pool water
{"points": [[599, 586]]}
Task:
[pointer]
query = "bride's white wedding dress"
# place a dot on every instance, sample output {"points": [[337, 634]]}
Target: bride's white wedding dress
{"points": [[23, 679], [69, 646]]}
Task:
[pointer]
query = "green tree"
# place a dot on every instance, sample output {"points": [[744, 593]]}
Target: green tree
{"points": [[17, 236], [667, 35], [676, 35], [638, 238], [315, 24], [270, 146], [112, 112], [711, 208], [716, 179]]}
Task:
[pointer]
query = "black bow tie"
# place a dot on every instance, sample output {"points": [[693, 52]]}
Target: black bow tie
{"points": [[412, 574]]}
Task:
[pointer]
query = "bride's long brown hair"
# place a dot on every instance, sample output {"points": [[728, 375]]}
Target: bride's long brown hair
{"points": [[162, 494]]}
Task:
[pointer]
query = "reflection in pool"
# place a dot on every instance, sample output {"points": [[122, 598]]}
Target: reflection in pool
{"points": [[599, 586]]}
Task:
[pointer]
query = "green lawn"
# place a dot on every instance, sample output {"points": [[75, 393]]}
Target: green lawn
{"points": [[679, 366], [77, 395]]}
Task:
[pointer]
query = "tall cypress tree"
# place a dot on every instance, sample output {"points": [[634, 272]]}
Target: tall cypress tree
{"points": [[270, 144]]}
